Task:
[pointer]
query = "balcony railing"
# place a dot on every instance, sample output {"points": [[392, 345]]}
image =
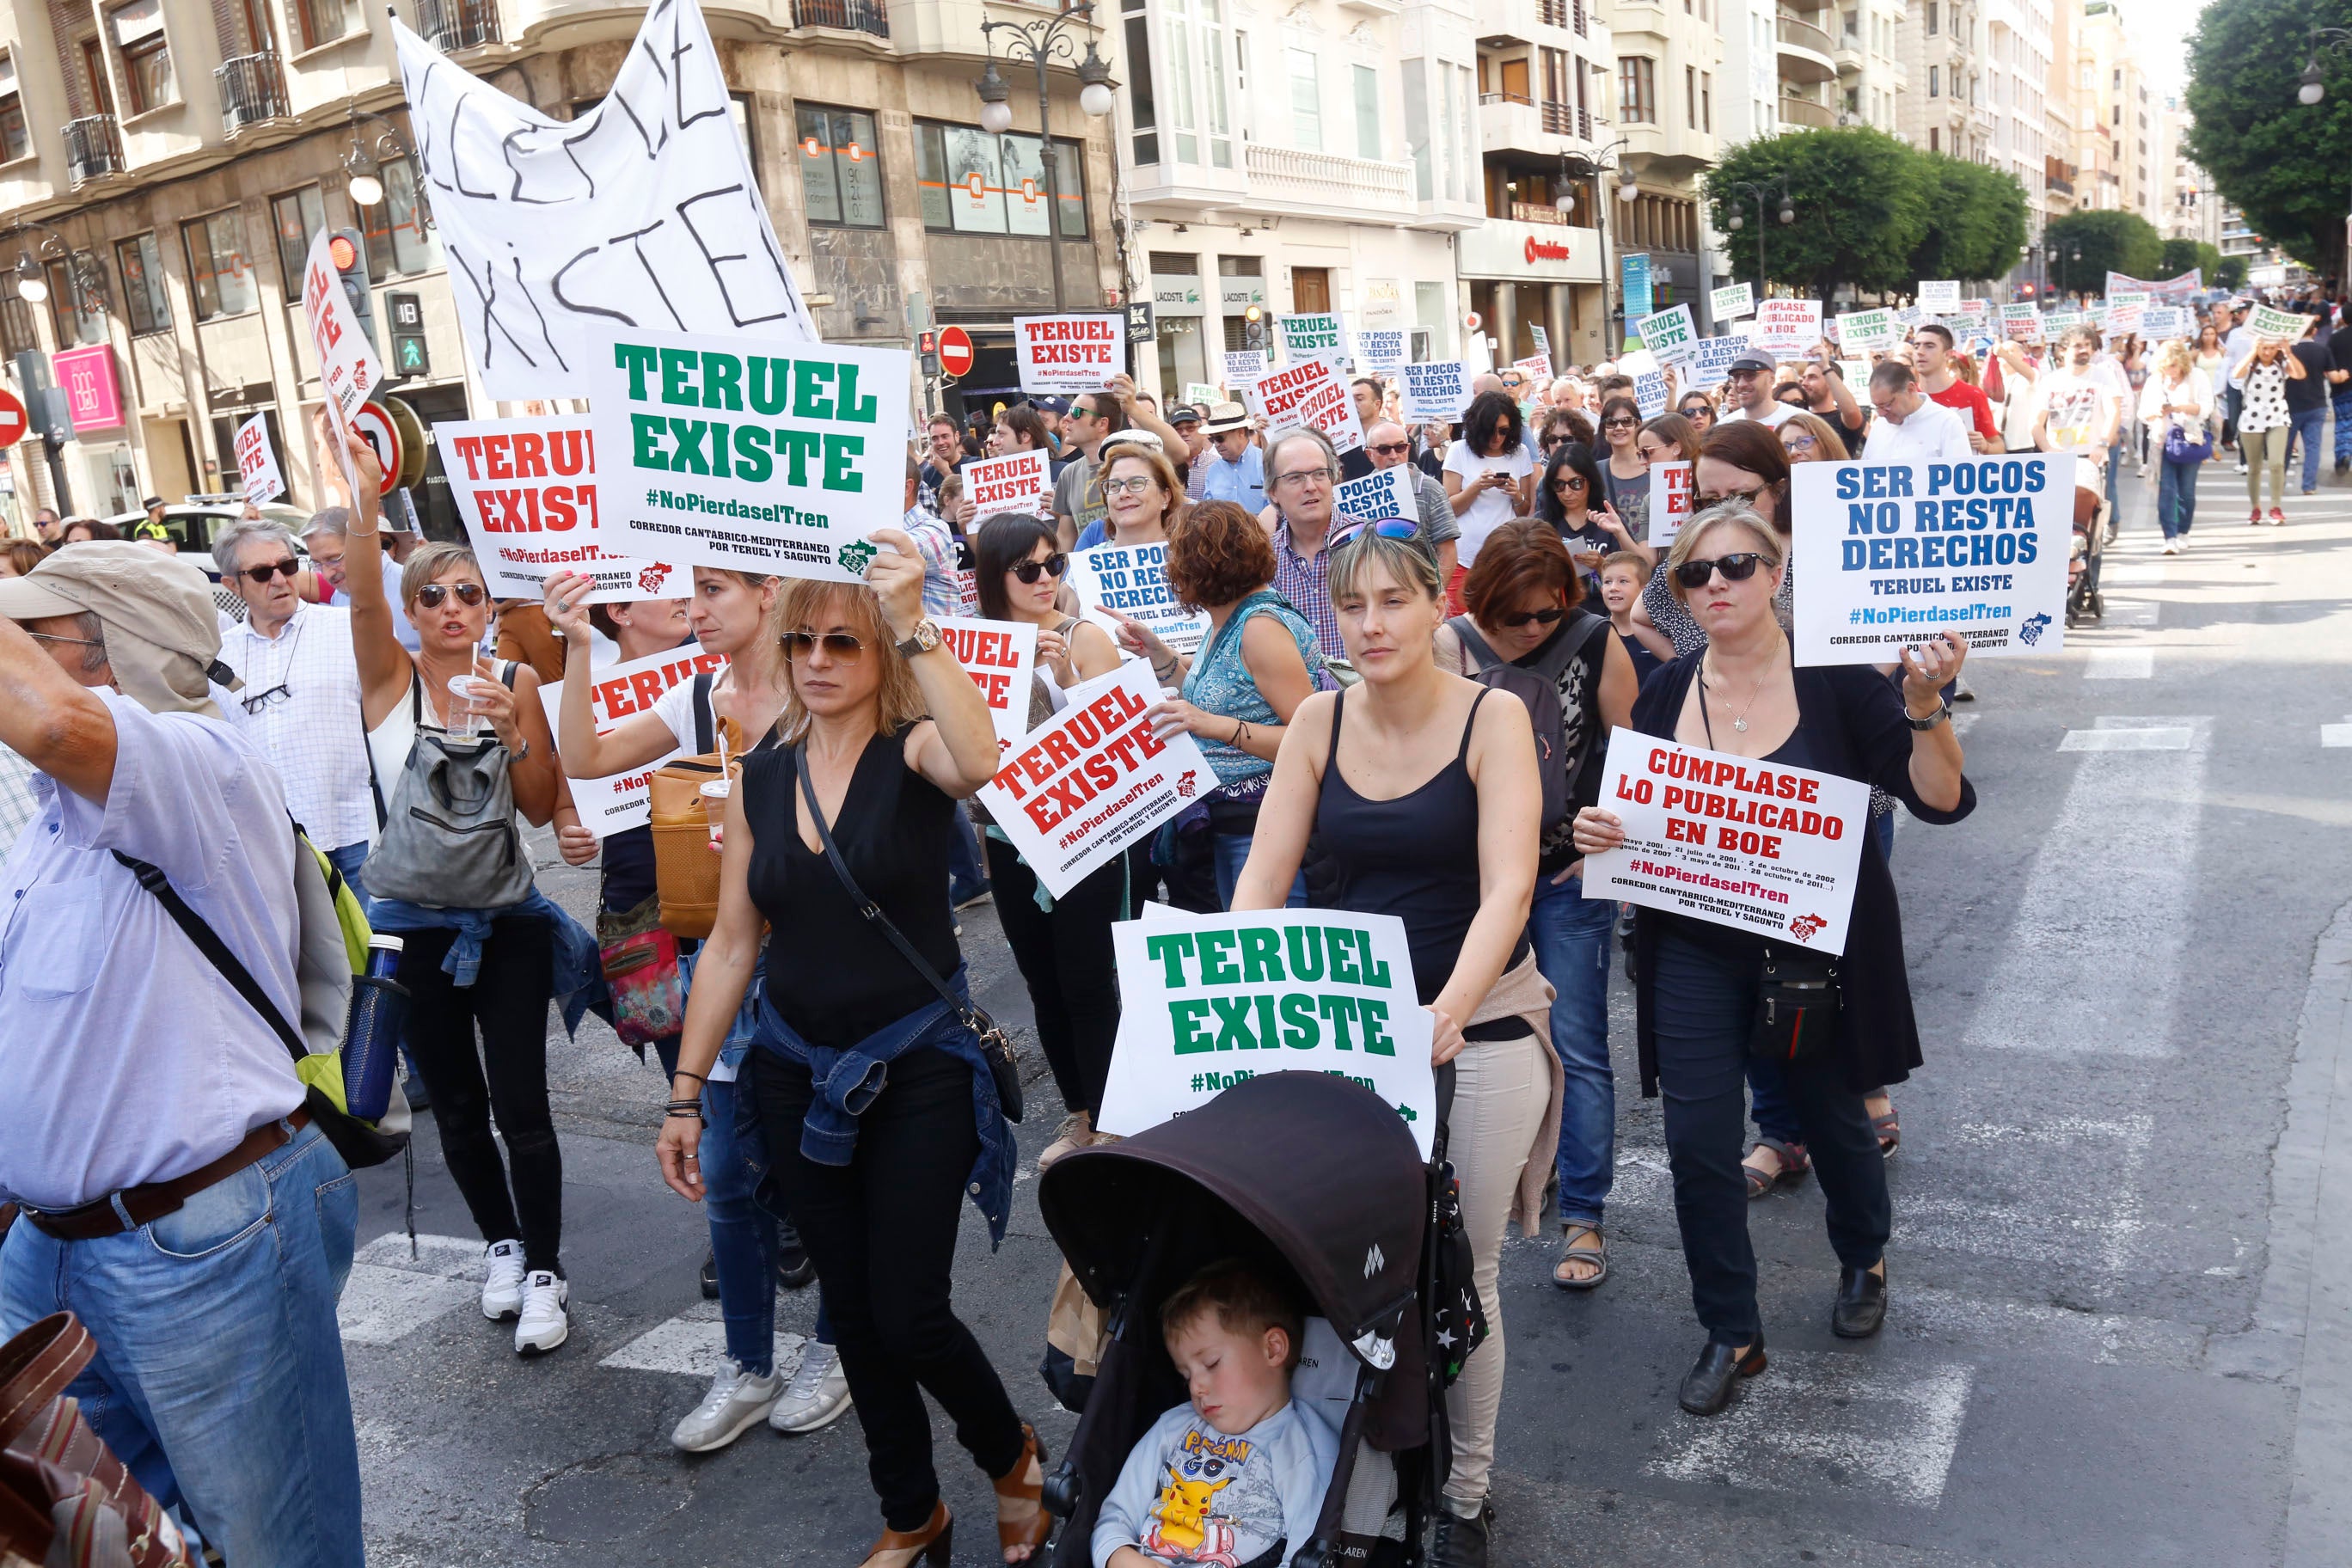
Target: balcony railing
{"points": [[868, 16], [2062, 187], [93, 149], [252, 91], [1566, 119], [1326, 180], [1802, 34], [452, 24], [1804, 111]]}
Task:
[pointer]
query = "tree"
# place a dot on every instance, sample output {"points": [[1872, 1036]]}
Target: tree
{"points": [[2180, 254], [1860, 199], [2229, 274], [1975, 221], [2108, 241], [2278, 161]]}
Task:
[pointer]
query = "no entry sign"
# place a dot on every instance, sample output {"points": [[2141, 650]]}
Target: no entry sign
{"points": [[13, 418], [955, 352], [373, 423]]}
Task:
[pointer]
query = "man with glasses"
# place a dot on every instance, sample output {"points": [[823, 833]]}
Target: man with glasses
{"points": [[1234, 468], [48, 525], [1748, 392], [1391, 448], [1828, 397], [301, 702], [1304, 470], [1940, 378], [1911, 427]]}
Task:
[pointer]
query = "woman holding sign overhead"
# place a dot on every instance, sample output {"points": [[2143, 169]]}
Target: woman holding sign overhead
{"points": [[1450, 851], [1700, 987]]}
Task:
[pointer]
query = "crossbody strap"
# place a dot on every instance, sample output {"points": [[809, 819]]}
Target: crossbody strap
{"points": [[215, 950]]}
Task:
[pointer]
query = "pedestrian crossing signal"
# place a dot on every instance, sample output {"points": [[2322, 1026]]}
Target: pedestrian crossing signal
{"points": [[408, 354]]}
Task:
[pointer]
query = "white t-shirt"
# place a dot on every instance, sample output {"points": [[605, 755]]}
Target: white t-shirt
{"points": [[2079, 409], [674, 707], [1930, 433], [1491, 510], [1776, 413]]}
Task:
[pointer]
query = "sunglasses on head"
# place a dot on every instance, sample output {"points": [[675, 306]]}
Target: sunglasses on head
{"points": [[1736, 568], [432, 596], [841, 646], [1548, 615], [1386, 527], [1053, 565], [288, 569]]}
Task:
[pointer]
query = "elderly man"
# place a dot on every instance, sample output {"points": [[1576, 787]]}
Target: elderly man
{"points": [[177, 1197], [1235, 464], [1391, 447], [323, 536], [301, 689], [1912, 427], [1303, 470]]}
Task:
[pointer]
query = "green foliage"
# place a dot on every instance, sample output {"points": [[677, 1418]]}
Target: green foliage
{"points": [[1975, 221], [2180, 254], [2108, 242], [2230, 274], [2280, 162], [1860, 199]]}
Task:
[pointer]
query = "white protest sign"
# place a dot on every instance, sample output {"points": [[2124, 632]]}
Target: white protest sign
{"points": [[1068, 356], [617, 692], [1671, 492], [1940, 296], [1732, 301], [1750, 845], [1670, 335], [1210, 1000], [1384, 492], [1133, 580], [1711, 365], [1017, 482], [1854, 372], [256, 465], [1199, 394], [641, 210], [526, 491], [2285, 326], [1862, 331], [1000, 656], [347, 368], [1537, 368], [1319, 335], [2022, 323], [2057, 322], [1308, 394], [1908, 317], [1243, 368], [2128, 299], [1434, 391], [1892, 554], [1977, 312], [2159, 323], [1379, 351], [1542, 338], [714, 454], [1649, 380], [1787, 327], [1093, 779]]}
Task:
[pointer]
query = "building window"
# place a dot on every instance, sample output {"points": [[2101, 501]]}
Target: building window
{"points": [[738, 110], [973, 183], [1142, 111], [17, 335], [1637, 89], [1416, 130], [1931, 19], [1932, 81], [398, 230], [1367, 113], [143, 300], [137, 29], [217, 270], [1934, 140], [14, 143], [1195, 31], [324, 21], [1306, 101], [296, 219], [1706, 102], [841, 169], [76, 311]]}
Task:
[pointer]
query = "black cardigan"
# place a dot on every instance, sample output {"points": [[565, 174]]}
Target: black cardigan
{"points": [[1859, 731]]}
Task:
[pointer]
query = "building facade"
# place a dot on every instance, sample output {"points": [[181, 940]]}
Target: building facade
{"points": [[1678, 91]]}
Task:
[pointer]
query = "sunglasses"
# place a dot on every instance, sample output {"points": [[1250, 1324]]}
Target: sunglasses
{"points": [[842, 648], [1736, 568], [288, 569], [1386, 527], [1618, 424], [432, 596], [1391, 449], [1053, 565], [1543, 617], [1568, 482], [1717, 497]]}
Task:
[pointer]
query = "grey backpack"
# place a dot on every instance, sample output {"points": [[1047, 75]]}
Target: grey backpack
{"points": [[451, 841]]}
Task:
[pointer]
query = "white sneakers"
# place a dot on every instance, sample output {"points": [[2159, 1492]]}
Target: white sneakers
{"points": [[818, 1394], [544, 1324], [502, 1287], [737, 1401]]}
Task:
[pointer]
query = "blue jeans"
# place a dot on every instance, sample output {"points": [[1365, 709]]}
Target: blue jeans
{"points": [[347, 860], [2307, 424], [1232, 854], [219, 1379], [2344, 425], [1572, 935], [966, 875], [2175, 498], [2115, 466]]}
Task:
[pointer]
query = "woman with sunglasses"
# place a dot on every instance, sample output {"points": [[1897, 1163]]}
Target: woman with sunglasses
{"points": [[1569, 498], [1696, 983], [1141, 495], [1487, 476], [1421, 792], [1698, 407], [1624, 472], [506, 958], [1743, 461]]}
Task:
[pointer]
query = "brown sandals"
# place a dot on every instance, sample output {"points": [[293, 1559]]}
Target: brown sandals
{"points": [[1014, 1483], [930, 1544]]}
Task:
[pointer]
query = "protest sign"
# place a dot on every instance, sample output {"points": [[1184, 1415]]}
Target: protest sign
{"points": [[1787, 327], [1976, 312], [1755, 845], [1908, 317], [639, 209], [1633, 284], [347, 368], [1308, 394], [714, 454], [1732, 301], [1319, 335], [1093, 779], [1855, 373], [1711, 367], [2159, 323], [1379, 352], [1433, 390], [1210, 1000], [1000, 656], [1383, 492], [2022, 323], [2057, 321], [1537, 368], [1068, 356], [1649, 380], [2176, 290], [1243, 369], [1670, 335], [1863, 332], [1671, 492], [1133, 580], [1890, 553], [2284, 326], [1940, 296], [617, 692], [1017, 482], [1542, 338], [1199, 394], [526, 491], [256, 465]]}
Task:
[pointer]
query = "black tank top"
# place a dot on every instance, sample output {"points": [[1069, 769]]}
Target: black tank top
{"points": [[833, 976], [1415, 857]]}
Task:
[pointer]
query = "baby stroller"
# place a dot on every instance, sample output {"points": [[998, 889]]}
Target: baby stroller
{"points": [[2087, 550], [1315, 1183]]}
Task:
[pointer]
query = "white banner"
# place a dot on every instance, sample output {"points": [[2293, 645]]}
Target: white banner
{"points": [[1892, 553], [1711, 365], [1864, 331], [617, 692], [1649, 380], [1320, 335], [1000, 656], [2286, 326], [1068, 356], [2177, 289], [2159, 323], [1243, 369], [1200, 395], [1787, 328], [1732, 301], [1133, 580], [639, 212], [526, 491], [256, 465], [1670, 335], [347, 368], [1384, 492], [1210, 1000], [1671, 493], [1308, 393], [1092, 781], [1018, 481], [1434, 391], [1750, 845], [1939, 297], [1379, 352]]}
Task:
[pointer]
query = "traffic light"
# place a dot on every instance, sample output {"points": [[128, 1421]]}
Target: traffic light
{"points": [[1255, 331], [345, 249], [409, 355]]}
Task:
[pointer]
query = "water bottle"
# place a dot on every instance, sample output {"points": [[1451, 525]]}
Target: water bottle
{"points": [[372, 1044]]}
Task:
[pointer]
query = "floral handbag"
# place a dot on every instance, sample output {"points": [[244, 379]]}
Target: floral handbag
{"points": [[640, 959]]}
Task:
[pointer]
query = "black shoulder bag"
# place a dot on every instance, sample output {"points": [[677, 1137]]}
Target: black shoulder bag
{"points": [[995, 1045]]}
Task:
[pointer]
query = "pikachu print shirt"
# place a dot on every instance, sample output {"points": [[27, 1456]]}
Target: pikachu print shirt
{"points": [[1190, 1494]]}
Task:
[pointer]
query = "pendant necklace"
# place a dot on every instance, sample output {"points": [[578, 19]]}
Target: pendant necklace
{"points": [[1739, 721]]}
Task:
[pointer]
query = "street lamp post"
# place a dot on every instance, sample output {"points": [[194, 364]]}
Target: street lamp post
{"points": [[1759, 189], [1042, 42], [1588, 166], [365, 163], [84, 282], [2308, 91]]}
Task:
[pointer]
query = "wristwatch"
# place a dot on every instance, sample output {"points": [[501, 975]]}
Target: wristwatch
{"points": [[922, 639], [1943, 711]]}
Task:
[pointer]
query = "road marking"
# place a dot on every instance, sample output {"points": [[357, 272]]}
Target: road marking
{"points": [[2120, 664], [390, 1295], [1898, 1429], [2091, 963], [691, 1345], [2132, 574], [2336, 735], [2129, 613]]}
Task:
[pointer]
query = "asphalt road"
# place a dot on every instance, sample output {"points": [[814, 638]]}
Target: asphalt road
{"points": [[2122, 1267]]}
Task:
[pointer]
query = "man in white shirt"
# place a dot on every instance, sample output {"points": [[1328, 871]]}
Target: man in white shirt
{"points": [[177, 1197], [1912, 427], [1748, 392], [2080, 412]]}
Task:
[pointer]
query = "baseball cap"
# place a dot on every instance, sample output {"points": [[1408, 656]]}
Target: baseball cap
{"points": [[1183, 413], [1750, 362], [162, 629], [1226, 417], [1050, 405]]}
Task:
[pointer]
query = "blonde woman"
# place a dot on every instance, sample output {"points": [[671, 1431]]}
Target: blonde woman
{"points": [[2178, 399]]}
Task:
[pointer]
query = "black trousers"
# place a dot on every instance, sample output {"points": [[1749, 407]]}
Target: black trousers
{"points": [[882, 1233], [1065, 957], [1704, 1008], [506, 1074]]}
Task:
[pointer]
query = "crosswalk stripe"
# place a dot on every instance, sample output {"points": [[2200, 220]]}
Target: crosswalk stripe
{"points": [[689, 1346], [2146, 738], [390, 1295], [2336, 735], [2119, 664], [1894, 1429]]}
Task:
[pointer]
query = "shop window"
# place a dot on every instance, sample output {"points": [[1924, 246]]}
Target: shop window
{"points": [[841, 167], [143, 300], [973, 183]]}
